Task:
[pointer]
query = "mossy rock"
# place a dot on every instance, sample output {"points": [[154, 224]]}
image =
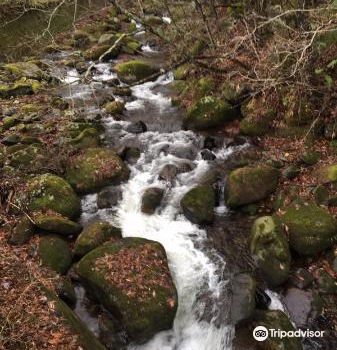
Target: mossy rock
{"points": [[93, 236], [27, 70], [30, 158], [310, 157], [145, 300], [182, 72], [276, 319], [270, 250], [177, 86], [74, 129], [96, 51], [310, 228], [86, 338], [198, 204], [55, 254], [115, 107], [257, 125], [95, 168], [15, 90], [326, 174], [55, 223], [131, 47], [250, 184], [9, 122], [208, 112], [50, 192], [233, 93], [23, 232], [88, 138], [133, 71], [204, 87]]}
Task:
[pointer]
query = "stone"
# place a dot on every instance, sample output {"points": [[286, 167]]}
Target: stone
{"points": [[310, 228], [55, 254], [23, 232], [302, 278], [136, 127], [115, 107], [168, 172], [95, 168], [108, 198], [326, 283], [290, 172], [198, 204], [326, 174], [132, 71], [141, 296], [207, 155], [250, 184], [151, 200], [94, 235], [310, 157], [270, 250]]}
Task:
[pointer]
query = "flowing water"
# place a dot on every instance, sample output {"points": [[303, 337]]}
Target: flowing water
{"points": [[197, 271]]}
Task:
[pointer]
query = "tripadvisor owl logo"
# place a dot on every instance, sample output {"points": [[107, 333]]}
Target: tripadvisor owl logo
{"points": [[261, 333]]}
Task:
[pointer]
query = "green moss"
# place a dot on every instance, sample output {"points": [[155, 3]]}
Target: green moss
{"points": [[22, 232], [131, 47], [177, 86], [115, 107], [88, 138], [133, 71], [208, 112], [248, 185], [311, 229], [27, 70], [96, 51], [198, 204], [93, 236], [9, 122], [55, 254], [95, 168], [270, 250], [327, 173], [55, 223], [141, 318], [203, 88], [310, 157], [30, 158], [50, 192], [182, 72]]}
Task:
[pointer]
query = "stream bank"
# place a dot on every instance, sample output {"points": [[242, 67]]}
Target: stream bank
{"points": [[145, 131]]}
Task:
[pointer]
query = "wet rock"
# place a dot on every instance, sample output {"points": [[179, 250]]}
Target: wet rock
{"points": [[55, 223], [81, 67], [243, 298], [95, 168], [59, 103], [207, 155], [270, 250], [93, 236], [55, 254], [326, 283], [262, 299], [66, 291], [88, 138], [211, 142], [277, 320], [310, 228], [115, 107], [250, 184], [302, 278], [107, 275], [133, 71], [50, 192], [23, 232], [121, 91], [168, 172], [151, 200], [136, 127], [208, 112], [108, 198], [184, 167], [132, 155], [303, 306], [198, 205], [97, 51], [183, 152]]}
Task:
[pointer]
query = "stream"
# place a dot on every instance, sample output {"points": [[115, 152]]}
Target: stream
{"points": [[197, 270]]}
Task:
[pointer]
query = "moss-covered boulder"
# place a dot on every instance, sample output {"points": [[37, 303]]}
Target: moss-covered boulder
{"points": [[15, 90], [151, 200], [51, 192], [270, 250], [133, 71], [198, 204], [208, 112], [93, 236], [115, 107], [250, 184], [204, 87], [257, 125], [97, 51], [95, 168], [30, 158], [22, 232], [310, 228], [56, 223], [27, 70], [55, 254], [130, 277], [276, 319], [310, 157], [326, 173], [88, 138]]}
